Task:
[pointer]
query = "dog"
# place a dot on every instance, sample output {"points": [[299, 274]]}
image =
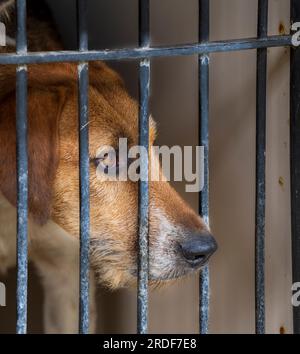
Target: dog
{"points": [[179, 241]]}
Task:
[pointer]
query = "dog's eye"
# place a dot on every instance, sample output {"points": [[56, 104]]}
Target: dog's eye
{"points": [[106, 162]]}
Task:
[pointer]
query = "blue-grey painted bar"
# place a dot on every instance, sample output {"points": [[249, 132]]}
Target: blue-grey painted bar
{"points": [[204, 141], [140, 53], [295, 160], [261, 94], [143, 217], [22, 173], [84, 175]]}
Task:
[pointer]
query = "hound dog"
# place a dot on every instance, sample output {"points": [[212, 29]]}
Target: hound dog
{"points": [[179, 240]]}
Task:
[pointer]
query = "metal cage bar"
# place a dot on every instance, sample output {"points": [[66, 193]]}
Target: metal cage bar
{"points": [[144, 53], [143, 218], [295, 159], [261, 95], [147, 52], [204, 141], [22, 172], [84, 173]]}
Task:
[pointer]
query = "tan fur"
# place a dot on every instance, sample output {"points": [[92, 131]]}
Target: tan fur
{"points": [[53, 164], [54, 188]]}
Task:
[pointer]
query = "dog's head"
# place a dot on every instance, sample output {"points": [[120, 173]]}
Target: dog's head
{"points": [[179, 240]]}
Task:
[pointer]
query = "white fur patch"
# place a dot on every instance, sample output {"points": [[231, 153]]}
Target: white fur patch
{"points": [[165, 261]]}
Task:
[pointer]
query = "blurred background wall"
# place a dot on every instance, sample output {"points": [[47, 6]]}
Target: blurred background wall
{"points": [[174, 105]]}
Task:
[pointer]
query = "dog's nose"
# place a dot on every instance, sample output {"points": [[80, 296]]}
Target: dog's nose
{"points": [[198, 248]]}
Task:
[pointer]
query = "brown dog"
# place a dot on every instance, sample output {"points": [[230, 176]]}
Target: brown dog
{"points": [[179, 240]]}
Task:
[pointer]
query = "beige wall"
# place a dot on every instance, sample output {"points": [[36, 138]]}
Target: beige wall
{"points": [[232, 163], [233, 173]]}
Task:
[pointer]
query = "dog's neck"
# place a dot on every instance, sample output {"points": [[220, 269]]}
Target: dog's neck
{"points": [[41, 32]]}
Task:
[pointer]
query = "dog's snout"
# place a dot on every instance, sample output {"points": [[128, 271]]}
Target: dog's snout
{"points": [[197, 249]]}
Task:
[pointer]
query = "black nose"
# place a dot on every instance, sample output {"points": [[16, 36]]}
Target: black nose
{"points": [[198, 248]]}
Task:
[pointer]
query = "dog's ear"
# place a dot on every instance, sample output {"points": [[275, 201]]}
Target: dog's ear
{"points": [[44, 109]]}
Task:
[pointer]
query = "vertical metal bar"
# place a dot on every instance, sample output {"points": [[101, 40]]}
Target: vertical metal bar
{"points": [[261, 93], [84, 174], [144, 87], [295, 159], [204, 141], [22, 172]]}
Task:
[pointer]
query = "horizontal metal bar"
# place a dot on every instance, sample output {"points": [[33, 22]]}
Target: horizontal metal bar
{"points": [[140, 53]]}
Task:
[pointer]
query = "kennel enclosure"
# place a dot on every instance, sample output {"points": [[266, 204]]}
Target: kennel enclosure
{"points": [[143, 54]]}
